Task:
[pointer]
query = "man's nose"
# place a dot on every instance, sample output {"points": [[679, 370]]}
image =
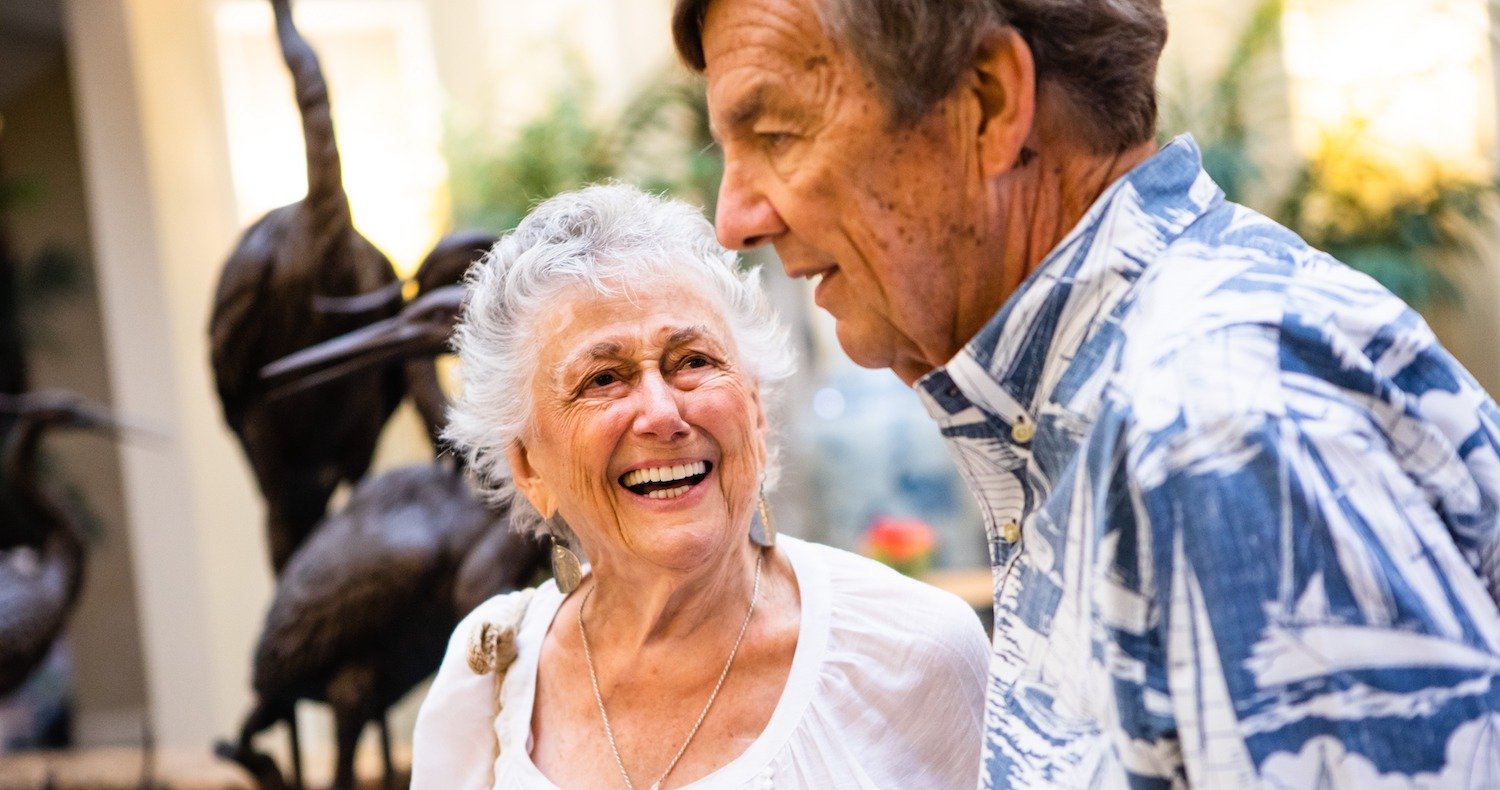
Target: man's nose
{"points": [[660, 415], [745, 217]]}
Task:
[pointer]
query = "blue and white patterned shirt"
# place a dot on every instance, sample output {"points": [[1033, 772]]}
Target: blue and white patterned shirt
{"points": [[1241, 507]]}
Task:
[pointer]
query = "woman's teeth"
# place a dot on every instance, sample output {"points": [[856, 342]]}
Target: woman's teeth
{"points": [[664, 474], [668, 493]]}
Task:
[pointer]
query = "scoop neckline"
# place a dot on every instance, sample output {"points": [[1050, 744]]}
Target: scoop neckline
{"points": [[796, 695]]}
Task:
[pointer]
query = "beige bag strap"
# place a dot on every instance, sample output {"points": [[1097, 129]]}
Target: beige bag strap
{"points": [[492, 649]]}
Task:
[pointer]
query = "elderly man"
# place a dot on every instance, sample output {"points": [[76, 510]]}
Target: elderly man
{"points": [[1241, 506]]}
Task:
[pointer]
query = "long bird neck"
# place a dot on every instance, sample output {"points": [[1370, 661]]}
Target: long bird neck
{"points": [[427, 395], [64, 538], [326, 200]]}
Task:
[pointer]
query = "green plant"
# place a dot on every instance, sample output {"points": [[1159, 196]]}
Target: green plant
{"points": [[662, 140], [1360, 210], [1372, 218], [560, 150], [659, 141]]}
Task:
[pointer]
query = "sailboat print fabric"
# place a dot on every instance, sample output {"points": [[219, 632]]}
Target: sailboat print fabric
{"points": [[1241, 508]]}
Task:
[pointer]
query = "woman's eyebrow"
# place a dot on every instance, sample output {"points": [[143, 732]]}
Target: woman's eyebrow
{"points": [[606, 349], [687, 334]]}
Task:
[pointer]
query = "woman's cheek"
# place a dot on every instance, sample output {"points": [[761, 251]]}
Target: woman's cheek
{"points": [[743, 448], [586, 433]]}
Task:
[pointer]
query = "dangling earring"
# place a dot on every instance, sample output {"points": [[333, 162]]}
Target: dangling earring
{"points": [[565, 567], [762, 531]]}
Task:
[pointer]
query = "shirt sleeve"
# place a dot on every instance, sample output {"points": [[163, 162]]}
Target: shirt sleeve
{"points": [[900, 700], [945, 704], [1316, 624]]}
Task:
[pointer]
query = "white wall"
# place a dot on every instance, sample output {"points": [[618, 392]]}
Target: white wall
{"points": [[160, 201]]}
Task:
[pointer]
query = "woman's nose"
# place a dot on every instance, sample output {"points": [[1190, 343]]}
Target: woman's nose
{"points": [[660, 415], [745, 217]]}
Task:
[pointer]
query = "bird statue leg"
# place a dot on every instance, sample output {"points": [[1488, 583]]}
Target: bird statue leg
{"points": [[385, 752], [296, 744], [260, 766], [351, 694], [348, 724]]}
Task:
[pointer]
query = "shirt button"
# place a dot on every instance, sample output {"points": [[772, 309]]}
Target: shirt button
{"points": [[1022, 431], [1010, 531]]}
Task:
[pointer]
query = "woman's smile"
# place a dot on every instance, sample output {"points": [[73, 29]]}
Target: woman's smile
{"points": [[646, 427], [671, 480]]}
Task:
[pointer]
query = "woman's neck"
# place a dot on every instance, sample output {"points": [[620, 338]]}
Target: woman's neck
{"points": [[635, 603]]}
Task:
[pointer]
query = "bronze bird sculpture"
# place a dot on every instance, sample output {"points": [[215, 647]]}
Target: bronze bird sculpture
{"points": [[421, 331], [267, 305], [38, 587], [364, 609]]}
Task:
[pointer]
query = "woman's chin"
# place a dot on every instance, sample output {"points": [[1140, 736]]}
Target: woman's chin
{"points": [[684, 546]]}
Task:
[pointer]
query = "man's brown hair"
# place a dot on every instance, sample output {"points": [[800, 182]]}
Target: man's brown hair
{"points": [[1101, 54]]}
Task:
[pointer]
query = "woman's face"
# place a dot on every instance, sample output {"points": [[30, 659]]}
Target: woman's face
{"points": [[648, 436]]}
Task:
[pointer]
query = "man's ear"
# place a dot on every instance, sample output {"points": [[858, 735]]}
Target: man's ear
{"points": [[528, 481], [1004, 82]]}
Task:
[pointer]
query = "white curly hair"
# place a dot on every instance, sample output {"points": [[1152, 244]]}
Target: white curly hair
{"points": [[612, 238]]}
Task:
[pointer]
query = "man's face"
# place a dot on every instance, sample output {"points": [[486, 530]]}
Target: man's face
{"points": [[886, 219]]}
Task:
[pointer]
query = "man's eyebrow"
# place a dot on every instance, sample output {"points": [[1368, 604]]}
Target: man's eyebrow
{"points": [[749, 107]]}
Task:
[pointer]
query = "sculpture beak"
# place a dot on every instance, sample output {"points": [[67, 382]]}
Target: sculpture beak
{"points": [[381, 297], [92, 417], [68, 410], [421, 328]]}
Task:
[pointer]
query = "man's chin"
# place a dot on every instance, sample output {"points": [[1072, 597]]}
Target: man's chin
{"points": [[864, 347], [877, 348]]}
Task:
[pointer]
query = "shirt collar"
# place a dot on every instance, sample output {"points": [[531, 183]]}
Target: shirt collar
{"points": [[1135, 218]]}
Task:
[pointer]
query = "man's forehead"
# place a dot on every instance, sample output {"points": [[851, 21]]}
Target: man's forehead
{"points": [[763, 63], [784, 34]]}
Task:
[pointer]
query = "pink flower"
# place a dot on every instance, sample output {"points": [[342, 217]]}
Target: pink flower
{"points": [[905, 544]]}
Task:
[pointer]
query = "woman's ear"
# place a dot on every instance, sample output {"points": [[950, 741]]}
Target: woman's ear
{"points": [[761, 425], [528, 481], [1004, 83]]}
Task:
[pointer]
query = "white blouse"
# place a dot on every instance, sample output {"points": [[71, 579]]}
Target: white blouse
{"points": [[886, 690]]}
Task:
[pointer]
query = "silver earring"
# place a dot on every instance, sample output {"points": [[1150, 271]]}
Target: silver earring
{"points": [[762, 531], [565, 567]]}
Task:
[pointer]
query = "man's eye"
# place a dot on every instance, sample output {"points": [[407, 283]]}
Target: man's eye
{"points": [[774, 140]]}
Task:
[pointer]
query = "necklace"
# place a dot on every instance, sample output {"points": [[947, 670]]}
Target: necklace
{"points": [[609, 733]]}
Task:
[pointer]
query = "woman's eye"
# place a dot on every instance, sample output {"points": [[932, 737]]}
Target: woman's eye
{"points": [[696, 361], [603, 379]]}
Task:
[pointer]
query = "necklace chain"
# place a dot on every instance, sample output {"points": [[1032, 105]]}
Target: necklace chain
{"points": [[609, 733]]}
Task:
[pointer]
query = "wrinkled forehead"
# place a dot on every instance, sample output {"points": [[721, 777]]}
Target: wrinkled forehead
{"points": [[648, 315], [730, 25], [758, 53]]}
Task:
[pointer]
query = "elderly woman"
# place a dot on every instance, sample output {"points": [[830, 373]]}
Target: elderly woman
{"points": [[616, 369]]}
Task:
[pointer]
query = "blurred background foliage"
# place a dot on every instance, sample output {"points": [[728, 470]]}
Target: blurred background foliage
{"points": [[659, 141], [1404, 231]]}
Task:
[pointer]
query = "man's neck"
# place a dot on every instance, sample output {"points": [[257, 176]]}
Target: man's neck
{"points": [[1032, 208]]}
